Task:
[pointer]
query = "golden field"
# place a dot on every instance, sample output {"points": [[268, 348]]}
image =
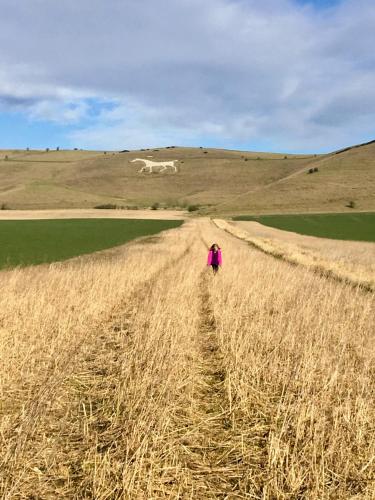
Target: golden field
{"points": [[220, 182], [352, 262], [136, 373]]}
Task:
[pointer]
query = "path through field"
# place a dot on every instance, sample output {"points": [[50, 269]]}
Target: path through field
{"points": [[91, 213], [140, 374]]}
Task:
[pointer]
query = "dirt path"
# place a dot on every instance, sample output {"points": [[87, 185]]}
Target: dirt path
{"points": [[12, 190], [91, 214], [213, 458]]}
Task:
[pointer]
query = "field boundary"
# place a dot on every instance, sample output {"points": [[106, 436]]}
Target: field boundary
{"points": [[345, 226], [47, 241], [322, 269], [92, 213]]}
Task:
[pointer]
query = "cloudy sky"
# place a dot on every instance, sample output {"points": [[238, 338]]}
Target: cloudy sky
{"points": [[272, 75]]}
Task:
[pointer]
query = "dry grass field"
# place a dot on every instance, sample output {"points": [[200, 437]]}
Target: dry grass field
{"points": [[350, 252], [219, 181], [136, 373], [350, 261]]}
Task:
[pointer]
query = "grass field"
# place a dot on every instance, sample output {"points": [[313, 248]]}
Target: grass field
{"points": [[354, 226], [26, 242], [139, 374]]}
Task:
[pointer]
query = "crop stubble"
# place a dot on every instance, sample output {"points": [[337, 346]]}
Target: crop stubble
{"points": [[139, 374]]}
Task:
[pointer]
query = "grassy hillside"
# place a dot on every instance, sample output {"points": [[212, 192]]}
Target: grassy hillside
{"points": [[220, 181], [84, 179], [341, 178]]}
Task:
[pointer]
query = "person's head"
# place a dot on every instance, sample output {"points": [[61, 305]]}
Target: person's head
{"points": [[214, 247]]}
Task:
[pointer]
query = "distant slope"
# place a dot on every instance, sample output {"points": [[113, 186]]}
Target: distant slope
{"points": [[220, 181], [206, 177], [354, 147], [341, 178]]}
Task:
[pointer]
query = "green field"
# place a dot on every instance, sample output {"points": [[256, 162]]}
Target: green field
{"points": [[355, 226], [26, 242]]}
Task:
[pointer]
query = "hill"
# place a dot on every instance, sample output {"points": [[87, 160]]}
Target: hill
{"points": [[220, 181], [342, 177]]}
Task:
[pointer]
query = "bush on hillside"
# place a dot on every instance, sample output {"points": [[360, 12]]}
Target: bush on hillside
{"points": [[155, 206], [108, 206], [193, 208], [313, 170], [351, 204]]}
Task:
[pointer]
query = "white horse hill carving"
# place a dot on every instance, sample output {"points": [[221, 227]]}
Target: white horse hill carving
{"points": [[157, 166]]}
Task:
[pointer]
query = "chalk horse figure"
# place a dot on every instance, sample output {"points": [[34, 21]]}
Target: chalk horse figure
{"points": [[159, 166]]}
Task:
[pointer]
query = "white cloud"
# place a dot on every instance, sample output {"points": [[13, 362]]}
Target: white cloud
{"points": [[61, 112], [233, 71], [131, 125]]}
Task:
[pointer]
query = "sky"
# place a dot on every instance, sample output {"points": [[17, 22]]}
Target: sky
{"points": [[262, 75]]}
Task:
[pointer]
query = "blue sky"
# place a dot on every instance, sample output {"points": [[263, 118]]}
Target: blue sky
{"points": [[276, 75]]}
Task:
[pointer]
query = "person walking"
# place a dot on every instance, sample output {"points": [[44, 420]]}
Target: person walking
{"points": [[214, 258]]}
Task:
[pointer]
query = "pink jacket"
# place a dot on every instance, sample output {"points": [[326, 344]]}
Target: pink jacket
{"points": [[209, 258]]}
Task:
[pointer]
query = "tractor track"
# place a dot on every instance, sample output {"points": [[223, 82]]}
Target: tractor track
{"points": [[88, 392], [213, 458]]}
